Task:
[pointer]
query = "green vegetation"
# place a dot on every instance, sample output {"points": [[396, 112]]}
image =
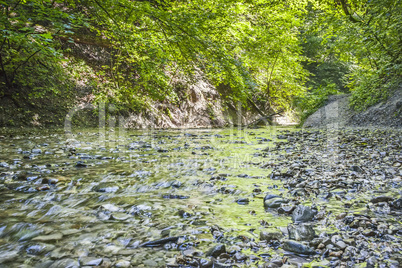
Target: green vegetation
{"points": [[269, 55]]}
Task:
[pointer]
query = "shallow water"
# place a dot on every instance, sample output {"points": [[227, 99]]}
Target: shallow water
{"points": [[92, 195]]}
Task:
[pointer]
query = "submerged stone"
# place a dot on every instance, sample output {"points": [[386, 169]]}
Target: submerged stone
{"points": [[51, 237], [106, 188], [65, 263], [273, 201], [216, 251], [91, 261]]}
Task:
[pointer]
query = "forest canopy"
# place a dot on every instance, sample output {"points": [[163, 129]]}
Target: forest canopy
{"points": [[276, 54]]}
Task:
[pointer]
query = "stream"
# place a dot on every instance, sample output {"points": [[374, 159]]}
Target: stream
{"points": [[264, 197]]}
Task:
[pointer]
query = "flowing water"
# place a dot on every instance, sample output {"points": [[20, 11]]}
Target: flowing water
{"points": [[92, 197]]}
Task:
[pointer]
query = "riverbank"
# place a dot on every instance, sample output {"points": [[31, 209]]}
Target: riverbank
{"points": [[338, 113]]}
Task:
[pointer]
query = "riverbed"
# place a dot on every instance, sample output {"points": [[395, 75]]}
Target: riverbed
{"points": [[265, 197]]}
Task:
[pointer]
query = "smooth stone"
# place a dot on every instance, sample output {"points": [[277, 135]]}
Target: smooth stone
{"points": [[340, 244], [303, 214], [51, 237], [286, 209], [216, 251], [65, 263], [120, 216], [301, 232], [4, 165], [7, 256], [379, 199], [296, 247], [36, 151], [273, 201], [111, 207], [40, 248], [106, 188], [242, 201], [218, 264], [397, 203], [70, 231], [122, 264], [150, 263], [270, 235], [91, 261]]}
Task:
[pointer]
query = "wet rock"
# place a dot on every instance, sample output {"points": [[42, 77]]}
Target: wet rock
{"points": [[122, 264], [104, 216], [219, 264], [303, 214], [368, 232], [286, 209], [242, 201], [120, 216], [356, 169], [270, 235], [301, 232], [341, 244], [106, 188], [150, 263], [174, 196], [296, 247], [216, 251], [4, 165], [379, 199], [397, 204], [21, 176], [7, 256], [111, 208], [46, 238], [91, 261], [39, 249], [167, 184], [80, 164], [273, 201], [44, 264], [65, 263], [36, 151], [160, 242]]}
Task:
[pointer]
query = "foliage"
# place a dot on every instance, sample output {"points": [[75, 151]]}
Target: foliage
{"points": [[314, 98], [369, 35], [252, 47], [260, 52], [30, 54]]}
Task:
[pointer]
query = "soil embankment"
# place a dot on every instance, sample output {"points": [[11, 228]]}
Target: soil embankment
{"points": [[338, 113]]}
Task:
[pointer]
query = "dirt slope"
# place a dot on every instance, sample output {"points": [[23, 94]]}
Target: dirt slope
{"points": [[337, 113]]}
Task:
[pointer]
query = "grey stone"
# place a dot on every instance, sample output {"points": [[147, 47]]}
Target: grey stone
{"points": [[301, 232]]}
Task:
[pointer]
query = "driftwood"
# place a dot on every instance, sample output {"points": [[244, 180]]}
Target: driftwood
{"points": [[264, 119]]}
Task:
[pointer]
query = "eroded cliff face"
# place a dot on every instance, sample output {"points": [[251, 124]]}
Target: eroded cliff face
{"points": [[201, 105]]}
